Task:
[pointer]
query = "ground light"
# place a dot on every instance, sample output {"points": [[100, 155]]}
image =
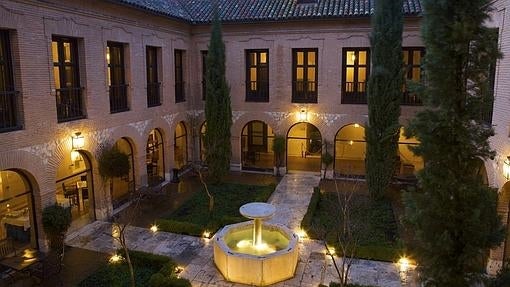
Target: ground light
{"points": [[404, 265], [154, 228], [301, 233], [206, 234], [115, 258], [330, 250]]}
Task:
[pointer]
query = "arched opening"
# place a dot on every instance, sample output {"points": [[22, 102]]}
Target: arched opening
{"points": [[503, 211], [154, 158], [203, 128], [256, 146], [123, 187], [407, 163], [17, 211], [74, 188], [304, 146], [350, 151], [180, 146]]}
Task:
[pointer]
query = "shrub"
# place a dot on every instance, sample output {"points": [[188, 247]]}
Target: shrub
{"points": [[314, 202], [159, 280], [181, 227], [56, 220]]}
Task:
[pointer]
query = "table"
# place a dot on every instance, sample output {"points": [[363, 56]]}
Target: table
{"points": [[23, 261]]}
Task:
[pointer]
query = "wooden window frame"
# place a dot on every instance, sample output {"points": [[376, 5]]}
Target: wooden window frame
{"points": [[305, 96], [261, 93], [117, 89], [180, 92], [355, 97], [153, 84]]}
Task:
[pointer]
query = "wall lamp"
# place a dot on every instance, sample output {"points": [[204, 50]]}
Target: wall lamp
{"points": [[303, 115], [78, 141], [506, 168]]}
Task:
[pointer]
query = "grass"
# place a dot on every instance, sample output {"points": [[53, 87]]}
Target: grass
{"points": [[373, 224], [228, 197]]}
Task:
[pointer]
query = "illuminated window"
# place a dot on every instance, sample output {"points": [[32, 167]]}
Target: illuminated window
{"points": [[116, 77], [257, 76], [304, 75], [153, 84], [356, 69]]}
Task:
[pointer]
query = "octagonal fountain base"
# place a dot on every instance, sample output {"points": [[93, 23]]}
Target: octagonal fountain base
{"points": [[263, 266]]}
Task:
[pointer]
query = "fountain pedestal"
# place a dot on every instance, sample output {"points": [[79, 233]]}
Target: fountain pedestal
{"points": [[255, 252]]}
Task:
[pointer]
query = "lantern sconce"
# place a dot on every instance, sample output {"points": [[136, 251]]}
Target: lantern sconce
{"points": [[78, 141], [303, 115], [506, 168]]}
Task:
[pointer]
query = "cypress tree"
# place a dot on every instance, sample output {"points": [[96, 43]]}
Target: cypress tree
{"points": [[454, 213], [384, 95], [218, 112]]}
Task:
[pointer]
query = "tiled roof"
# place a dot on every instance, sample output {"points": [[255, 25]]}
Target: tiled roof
{"points": [[200, 11]]}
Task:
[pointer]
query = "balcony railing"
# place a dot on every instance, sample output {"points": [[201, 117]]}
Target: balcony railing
{"points": [[304, 92], [257, 91], [354, 93], [411, 99], [118, 98], [69, 104], [153, 94], [9, 111]]}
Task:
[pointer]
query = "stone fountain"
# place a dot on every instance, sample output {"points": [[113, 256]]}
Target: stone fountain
{"points": [[256, 252]]}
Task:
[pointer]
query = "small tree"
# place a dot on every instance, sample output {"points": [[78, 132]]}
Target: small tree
{"points": [[278, 151], [454, 216], [56, 219], [218, 112], [112, 163], [327, 158], [384, 95]]}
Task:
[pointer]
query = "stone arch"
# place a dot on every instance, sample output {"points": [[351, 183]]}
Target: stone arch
{"points": [[155, 156], [256, 141], [304, 147], [181, 145], [20, 196], [350, 150], [238, 126], [501, 254]]}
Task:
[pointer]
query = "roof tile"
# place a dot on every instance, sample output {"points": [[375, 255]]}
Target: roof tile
{"points": [[200, 11]]}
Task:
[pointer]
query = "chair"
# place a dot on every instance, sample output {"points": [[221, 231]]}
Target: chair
{"points": [[7, 248], [71, 193]]}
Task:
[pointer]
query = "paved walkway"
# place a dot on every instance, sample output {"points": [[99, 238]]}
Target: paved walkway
{"points": [[291, 199]]}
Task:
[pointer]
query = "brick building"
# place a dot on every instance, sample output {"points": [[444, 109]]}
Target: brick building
{"points": [[79, 75]]}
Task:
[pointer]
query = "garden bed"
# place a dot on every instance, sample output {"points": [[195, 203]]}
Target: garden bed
{"points": [[150, 270], [193, 217], [373, 224]]}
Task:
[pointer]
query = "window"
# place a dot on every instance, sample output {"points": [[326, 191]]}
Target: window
{"points": [[257, 76], [116, 77], [179, 76], [153, 85], [356, 68], [67, 79], [9, 112], [413, 72], [304, 76], [204, 73]]}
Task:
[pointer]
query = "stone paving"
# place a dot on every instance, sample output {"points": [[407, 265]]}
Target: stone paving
{"points": [[291, 199]]}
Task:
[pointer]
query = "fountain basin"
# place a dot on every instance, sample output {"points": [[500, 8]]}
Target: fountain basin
{"points": [[259, 266]]}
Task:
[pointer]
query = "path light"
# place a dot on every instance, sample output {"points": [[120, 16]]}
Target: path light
{"points": [[206, 234], [178, 270], [115, 258], [330, 250], [302, 234], [506, 168], [154, 228], [115, 231], [404, 264]]}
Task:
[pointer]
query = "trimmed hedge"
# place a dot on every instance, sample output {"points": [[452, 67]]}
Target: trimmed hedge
{"points": [[146, 266], [180, 227], [314, 202]]}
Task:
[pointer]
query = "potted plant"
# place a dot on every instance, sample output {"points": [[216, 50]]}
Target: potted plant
{"points": [[56, 219], [278, 150]]}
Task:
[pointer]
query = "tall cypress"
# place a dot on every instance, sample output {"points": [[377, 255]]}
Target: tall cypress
{"points": [[218, 113], [384, 95], [454, 213]]}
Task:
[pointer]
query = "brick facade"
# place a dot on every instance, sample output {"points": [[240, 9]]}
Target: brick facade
{"points": [[43, 144]]}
